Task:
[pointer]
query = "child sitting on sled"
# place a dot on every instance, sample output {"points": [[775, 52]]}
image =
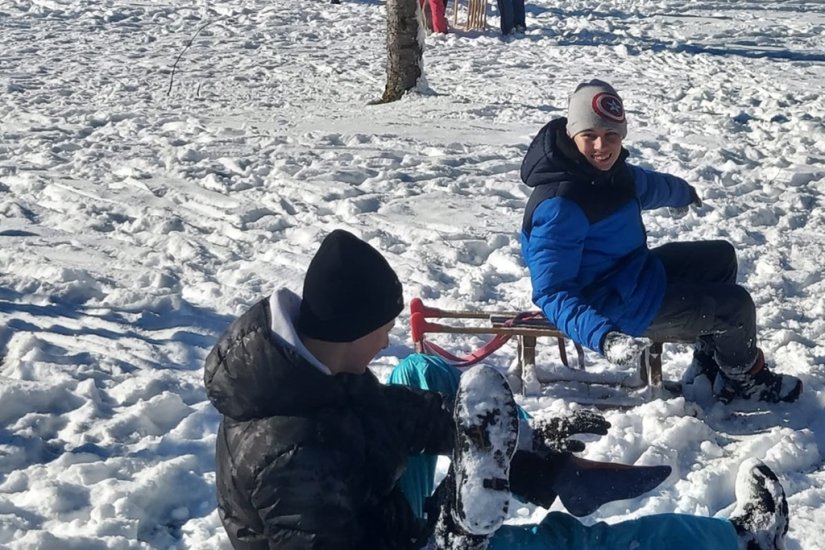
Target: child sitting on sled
{"points": [[584, 242], [312, 448]]}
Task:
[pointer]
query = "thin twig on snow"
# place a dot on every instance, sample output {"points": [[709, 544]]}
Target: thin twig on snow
{"points": [[191, 40]]}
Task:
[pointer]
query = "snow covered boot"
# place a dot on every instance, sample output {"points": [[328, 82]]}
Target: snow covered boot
{"points": [[759, 384], [703, 363], [761, 514], [486, 437], [699, 378]]}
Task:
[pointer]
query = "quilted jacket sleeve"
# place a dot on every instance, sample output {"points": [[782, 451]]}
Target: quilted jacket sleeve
{"points": [[423, 418], [554, 259], [656, 189]]}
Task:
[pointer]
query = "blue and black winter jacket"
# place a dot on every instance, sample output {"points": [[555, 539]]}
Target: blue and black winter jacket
{"points": [[584, 241]]}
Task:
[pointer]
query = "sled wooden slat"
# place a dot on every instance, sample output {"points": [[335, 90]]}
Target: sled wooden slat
{"points": [[515, 331], [476, 15], [541, 323]]}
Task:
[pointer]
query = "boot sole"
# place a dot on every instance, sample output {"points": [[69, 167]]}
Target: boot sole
{"points": [[486, 437]]}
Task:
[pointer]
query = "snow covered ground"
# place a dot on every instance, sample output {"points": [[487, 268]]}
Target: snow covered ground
{"points": [[140, 211]]}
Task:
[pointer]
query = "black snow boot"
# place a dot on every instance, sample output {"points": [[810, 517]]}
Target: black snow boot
{"points": [[582, 485], [761, 514], [703, 363], [759, 384], [486, 436]]}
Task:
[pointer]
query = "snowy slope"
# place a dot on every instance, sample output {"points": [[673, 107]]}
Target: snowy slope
{"points": [[141, 210]]}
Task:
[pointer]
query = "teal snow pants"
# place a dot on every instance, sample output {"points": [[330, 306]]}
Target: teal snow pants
{"points": [[557, 531], [560, 531]]}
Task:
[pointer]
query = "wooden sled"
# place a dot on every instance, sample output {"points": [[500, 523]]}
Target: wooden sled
{"points": [[527, 327], [476, 11]]}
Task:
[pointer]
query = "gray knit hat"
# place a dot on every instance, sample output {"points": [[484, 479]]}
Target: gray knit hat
{"points": [[595, 104]]}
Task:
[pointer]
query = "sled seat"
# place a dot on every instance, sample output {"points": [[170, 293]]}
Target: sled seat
{"points": [[526, 327]]}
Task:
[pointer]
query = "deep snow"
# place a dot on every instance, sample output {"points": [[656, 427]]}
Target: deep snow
{"points": [[135, 224]]}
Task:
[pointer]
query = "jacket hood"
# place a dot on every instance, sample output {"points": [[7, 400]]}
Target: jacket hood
{"points": [[552, 156], [249, 374]]}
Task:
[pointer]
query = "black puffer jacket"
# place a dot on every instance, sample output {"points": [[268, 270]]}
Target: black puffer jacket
{"points": [[306, 460]]}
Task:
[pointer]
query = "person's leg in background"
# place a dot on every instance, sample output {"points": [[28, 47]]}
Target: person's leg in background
{"points": [[519, 24], [437, 12], [505, 10]]}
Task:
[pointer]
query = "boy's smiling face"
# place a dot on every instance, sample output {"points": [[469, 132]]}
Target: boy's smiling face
{"points": [[600, 146]]}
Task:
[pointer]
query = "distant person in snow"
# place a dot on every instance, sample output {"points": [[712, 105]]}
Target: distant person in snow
{"points": [[312, 449], [512, 17], [435, 15], [593, 276]]}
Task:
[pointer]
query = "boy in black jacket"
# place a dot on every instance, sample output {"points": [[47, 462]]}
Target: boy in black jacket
{"points": [[311, 447]]}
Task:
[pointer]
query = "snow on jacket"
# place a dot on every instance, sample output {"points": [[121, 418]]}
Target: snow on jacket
{"points": [[584, 241], [308, 460]]}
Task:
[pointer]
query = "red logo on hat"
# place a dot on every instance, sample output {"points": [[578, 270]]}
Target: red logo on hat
{"points": [[608, 106]]}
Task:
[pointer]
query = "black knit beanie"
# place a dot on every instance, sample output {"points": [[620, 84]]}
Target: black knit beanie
{"points": [[349, 290]]}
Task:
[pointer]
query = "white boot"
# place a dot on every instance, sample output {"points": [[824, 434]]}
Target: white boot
{"points": [[761, 514], [486, 436]]}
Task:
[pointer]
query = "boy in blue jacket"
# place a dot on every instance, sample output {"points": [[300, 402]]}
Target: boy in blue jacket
{"points": [[594, 277]]}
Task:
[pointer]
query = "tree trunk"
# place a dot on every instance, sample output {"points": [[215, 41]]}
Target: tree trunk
{"points": [[405, 44]]}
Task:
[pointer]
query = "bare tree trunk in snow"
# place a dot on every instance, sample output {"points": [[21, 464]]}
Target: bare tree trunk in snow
{"points": [[404, 48]]}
